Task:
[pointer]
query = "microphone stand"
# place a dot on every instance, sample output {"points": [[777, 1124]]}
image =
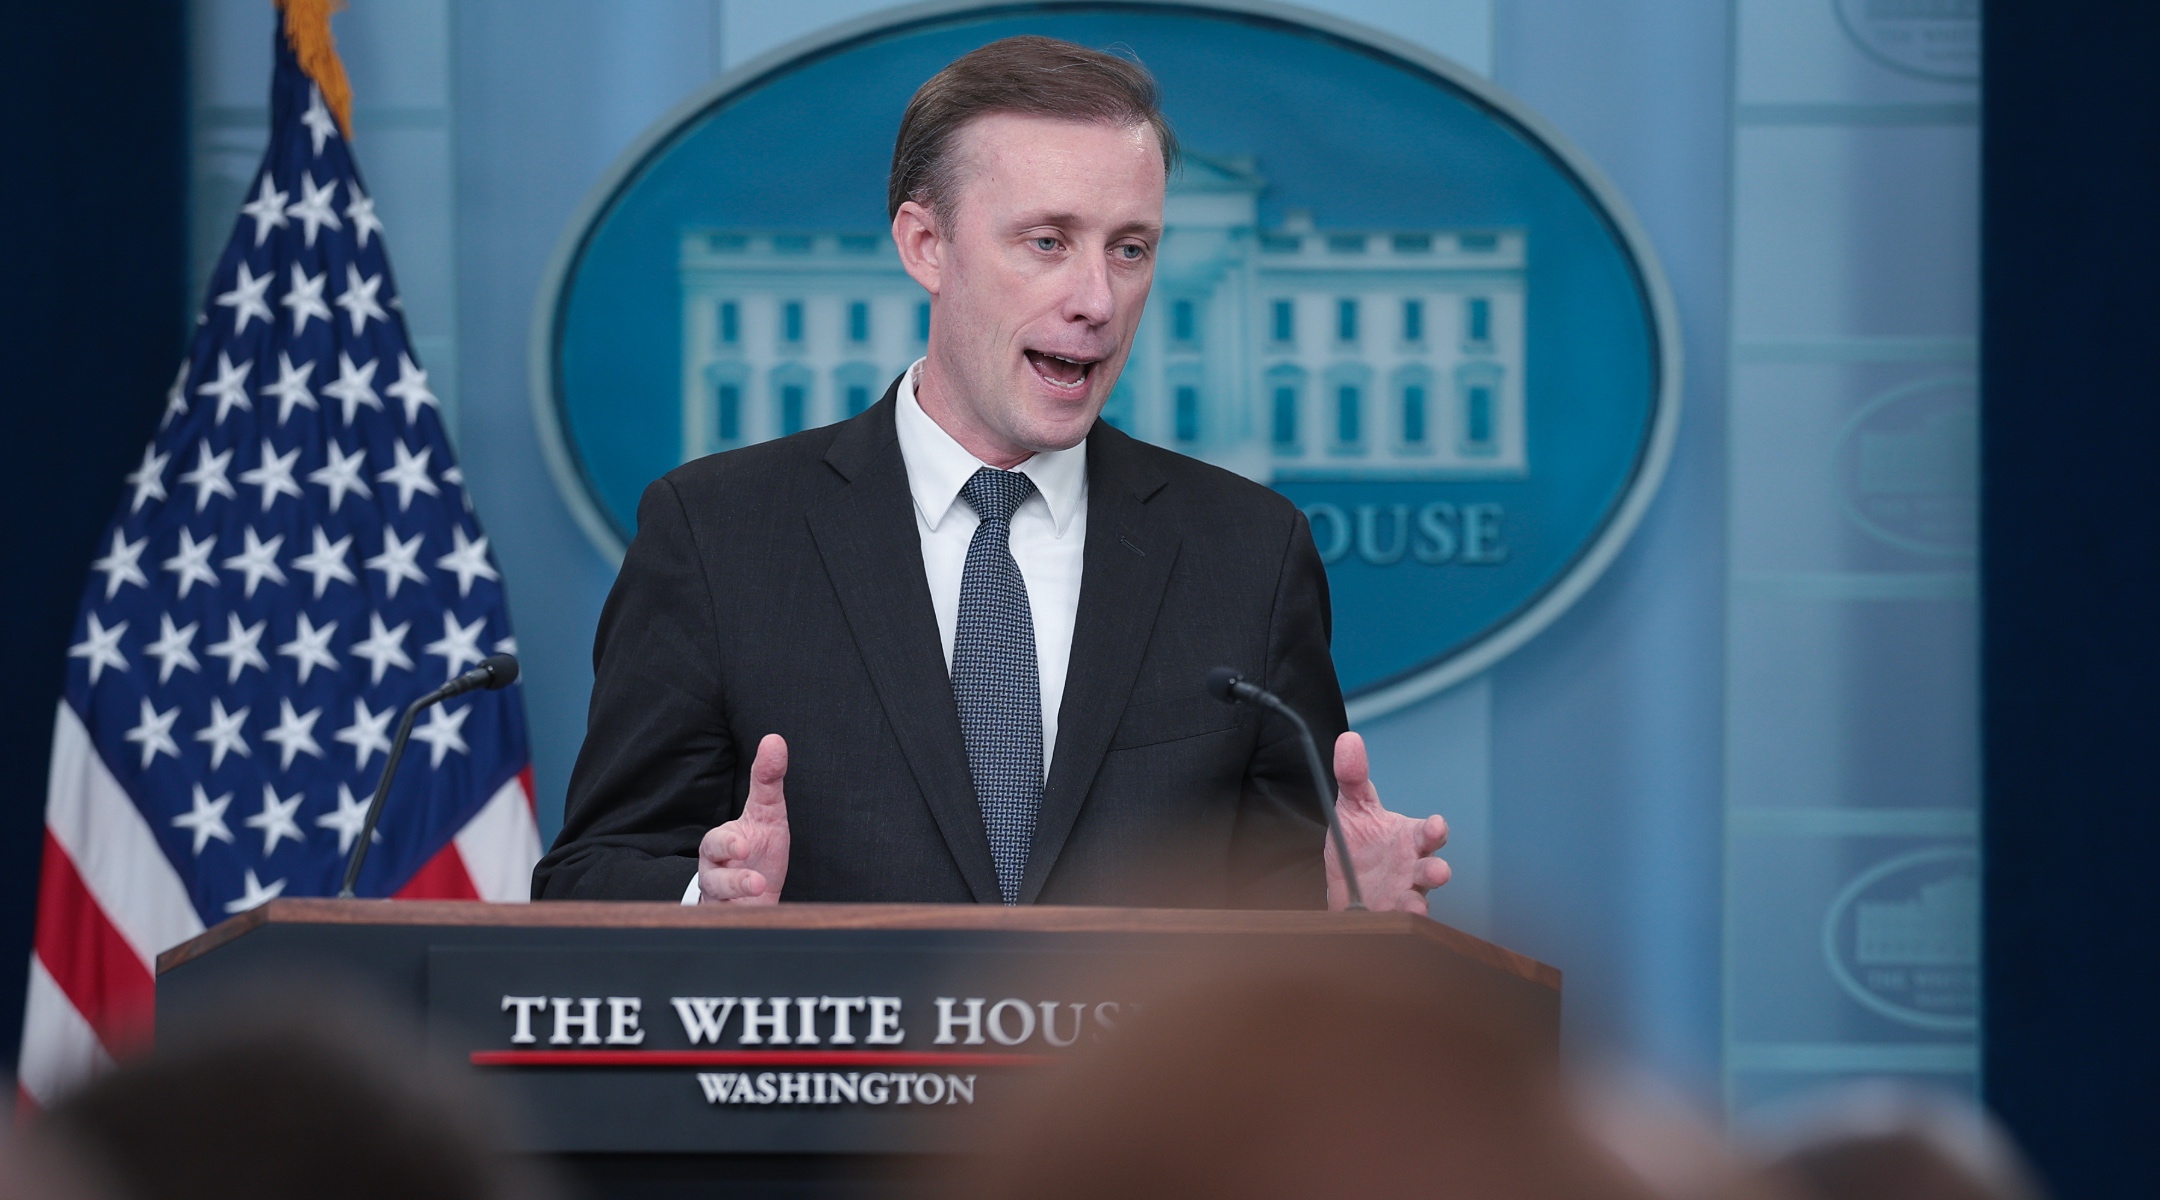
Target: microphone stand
{"points": [[493, 672], [1227, 685]]}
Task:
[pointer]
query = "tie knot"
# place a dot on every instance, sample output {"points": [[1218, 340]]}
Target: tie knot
{"points": [[995, 495]]}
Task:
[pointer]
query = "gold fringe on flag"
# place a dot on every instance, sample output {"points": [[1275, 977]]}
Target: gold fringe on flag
{"points": [[307, 31]]}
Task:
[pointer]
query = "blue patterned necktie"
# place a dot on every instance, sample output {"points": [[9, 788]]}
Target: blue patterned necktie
{"points": [[994, 677]]}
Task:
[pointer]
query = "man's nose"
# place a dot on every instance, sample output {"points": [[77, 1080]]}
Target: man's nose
{"points": [[1089, 297]]}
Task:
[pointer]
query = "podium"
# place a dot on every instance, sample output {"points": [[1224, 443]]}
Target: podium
{"points": [[800, 1049]]}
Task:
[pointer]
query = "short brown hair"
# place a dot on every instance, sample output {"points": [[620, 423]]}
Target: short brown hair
{"points": [[1030, 75]]}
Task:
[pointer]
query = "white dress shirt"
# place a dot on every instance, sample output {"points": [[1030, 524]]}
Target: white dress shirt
{"points": [[1049, 542]]}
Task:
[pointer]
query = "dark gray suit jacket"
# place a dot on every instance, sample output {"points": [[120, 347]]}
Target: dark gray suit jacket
{"points": [[780, 589]]}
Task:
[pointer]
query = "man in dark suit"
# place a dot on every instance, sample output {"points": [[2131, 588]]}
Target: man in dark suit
{"points": [[966, 631]]}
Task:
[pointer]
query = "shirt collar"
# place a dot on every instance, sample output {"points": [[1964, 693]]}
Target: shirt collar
{"points": [[938, 467]]}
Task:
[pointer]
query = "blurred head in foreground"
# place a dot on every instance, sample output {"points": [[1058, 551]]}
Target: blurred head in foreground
{"points": [[292, 1095], [1272, 1081], [1882, 1141]]}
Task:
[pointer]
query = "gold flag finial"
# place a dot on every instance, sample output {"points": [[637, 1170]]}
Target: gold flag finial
{"points": [[307, 31]]}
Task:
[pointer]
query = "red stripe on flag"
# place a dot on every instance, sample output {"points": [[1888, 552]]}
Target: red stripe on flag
{"points": [[442, 877], [532, 794], [102, 976]]}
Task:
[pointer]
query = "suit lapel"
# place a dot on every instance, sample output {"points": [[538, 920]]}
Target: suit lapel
{"points": [[866, 535], [1125, 570]]}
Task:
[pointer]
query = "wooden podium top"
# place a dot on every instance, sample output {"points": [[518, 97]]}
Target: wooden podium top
{"points": [[604, 914]]}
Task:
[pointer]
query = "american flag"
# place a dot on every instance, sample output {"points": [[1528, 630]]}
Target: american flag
{"points": [[294, 560]]}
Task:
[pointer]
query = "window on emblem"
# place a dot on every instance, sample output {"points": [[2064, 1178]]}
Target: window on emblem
{"points": [[1285, 321], [1188, 414], [1284, 420], [1477, 320], [858, 322], [1181, 320], [1346, 320], [730, 323], [728, 401], [1413, 415], [791, 321]]}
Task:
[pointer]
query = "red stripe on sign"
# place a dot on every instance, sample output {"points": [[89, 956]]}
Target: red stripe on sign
{"points": [[532, 793], [100, 973], [442, 877], [749, 1058]]}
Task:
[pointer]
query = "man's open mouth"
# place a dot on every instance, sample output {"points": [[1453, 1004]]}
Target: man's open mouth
{"points": [[1065, 374]]}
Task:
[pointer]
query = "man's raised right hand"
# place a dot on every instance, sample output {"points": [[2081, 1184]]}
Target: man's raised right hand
{"points": [[745, 860]]}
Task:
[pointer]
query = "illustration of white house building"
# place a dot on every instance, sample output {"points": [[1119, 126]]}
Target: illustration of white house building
{"points": [[1290, 353]]}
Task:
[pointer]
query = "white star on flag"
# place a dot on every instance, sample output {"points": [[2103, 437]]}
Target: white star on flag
{"points": [[275, 819], [326, 561], [310, 647], [350, 816], [411, 387], [256, 895], [206, 819], [398, 561], [175, 397], [342, 475], [441, 733], [148, 480], [224, 734], [230, 386], [291, 388], [267, 209], [275, 475], [192, 563], [409, 475], [313, 207], [246, 299], [317, 119], [358, 299], [368, 734], [294, 734], [101, 646], [258, 561], [154, 732], [354, 386], [208, 477], [458, 643], [361, 210], [122, 564], [304, 298], [242, 647], [383, 648], [174, 648], [468, 560]]}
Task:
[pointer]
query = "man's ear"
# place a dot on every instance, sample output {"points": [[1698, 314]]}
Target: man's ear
{"points": [[922, 248]]}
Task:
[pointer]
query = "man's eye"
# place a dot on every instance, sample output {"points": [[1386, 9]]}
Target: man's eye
{"points": [[1046, 244], [1131, 253]]}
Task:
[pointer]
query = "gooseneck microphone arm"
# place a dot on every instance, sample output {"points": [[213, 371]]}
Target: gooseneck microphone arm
{"points": [[495, 671], [1230, 687]]}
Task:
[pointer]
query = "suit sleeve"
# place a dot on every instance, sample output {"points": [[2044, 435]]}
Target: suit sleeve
{"points": [[1281, 831], [658, 764]]}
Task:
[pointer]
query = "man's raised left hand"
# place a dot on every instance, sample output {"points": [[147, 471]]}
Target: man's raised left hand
{"points": [[1392, 852]]}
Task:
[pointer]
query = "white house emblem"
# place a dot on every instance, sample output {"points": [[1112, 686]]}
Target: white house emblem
{"points": [[1425, 320]]}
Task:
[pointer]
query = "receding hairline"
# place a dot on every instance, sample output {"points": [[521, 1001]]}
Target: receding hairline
{"points": [[962, 150], [1027, 75]]}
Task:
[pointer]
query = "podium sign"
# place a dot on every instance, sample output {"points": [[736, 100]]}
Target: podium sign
{"points": [[716, 1041]]}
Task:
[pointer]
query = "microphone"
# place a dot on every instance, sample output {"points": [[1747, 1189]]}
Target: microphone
{"points": [[494, 671], [1230, 687]]}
